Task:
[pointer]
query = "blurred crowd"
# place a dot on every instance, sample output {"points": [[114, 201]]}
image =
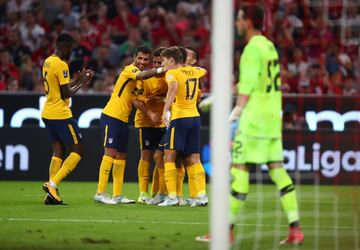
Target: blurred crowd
{"points": [[319, 46]]}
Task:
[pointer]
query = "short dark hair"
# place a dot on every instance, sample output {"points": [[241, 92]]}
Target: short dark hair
{"points": [[195, 53], [158, 51], [64, 39], [183, 54], [143, 49], [172, 52], [254, 13]]}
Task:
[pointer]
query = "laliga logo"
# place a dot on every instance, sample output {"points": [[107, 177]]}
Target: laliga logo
{"points": [[23, 114]]}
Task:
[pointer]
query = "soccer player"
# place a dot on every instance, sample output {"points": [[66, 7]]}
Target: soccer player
{"points": [[57, 116], [191, 57], [183, 132], [258, 109], [114, 124], [180, 170], [150, 133]]}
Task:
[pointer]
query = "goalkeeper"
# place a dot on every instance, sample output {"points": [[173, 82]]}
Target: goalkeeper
{"points": [[258, 139]]}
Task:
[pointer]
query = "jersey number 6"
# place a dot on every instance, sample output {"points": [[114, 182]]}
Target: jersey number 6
{"points": [[46, 84]]}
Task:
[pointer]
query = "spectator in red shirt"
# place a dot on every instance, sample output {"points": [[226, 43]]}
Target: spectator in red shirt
{"points": [[102, 23], [336, 83], [121, 23], [161, 24], [7, 68], [89, 34]]}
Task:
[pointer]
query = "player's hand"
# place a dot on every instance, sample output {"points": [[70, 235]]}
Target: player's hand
{"points": [[85, 76], [166, 118], [154, 117], [206, 103], [235, 114]]}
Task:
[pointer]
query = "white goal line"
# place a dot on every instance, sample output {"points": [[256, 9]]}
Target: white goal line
{"points": [[162, 222]]}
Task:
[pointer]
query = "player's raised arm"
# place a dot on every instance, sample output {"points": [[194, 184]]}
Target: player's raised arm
{"points": [[68, 90], [146, 74]]}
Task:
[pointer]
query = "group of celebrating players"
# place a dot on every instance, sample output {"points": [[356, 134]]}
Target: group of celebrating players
{"points": [[169, 125], [167, 121]]}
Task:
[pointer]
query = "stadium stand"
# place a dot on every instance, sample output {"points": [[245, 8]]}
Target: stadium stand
{"points": [[318, 40]]}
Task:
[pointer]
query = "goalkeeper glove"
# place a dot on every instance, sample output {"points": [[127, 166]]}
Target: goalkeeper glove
{"points": [[235, 113], [206, 103]]}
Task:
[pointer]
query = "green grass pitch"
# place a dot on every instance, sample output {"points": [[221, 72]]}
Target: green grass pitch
{"points": [[329, 217]]}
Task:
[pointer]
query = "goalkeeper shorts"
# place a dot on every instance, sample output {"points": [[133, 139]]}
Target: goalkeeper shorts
{"points": [[254, 150]]}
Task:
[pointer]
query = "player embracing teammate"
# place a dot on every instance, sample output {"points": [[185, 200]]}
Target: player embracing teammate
{"points": [[167, 120]]}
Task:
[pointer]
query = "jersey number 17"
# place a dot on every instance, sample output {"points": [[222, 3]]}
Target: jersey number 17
{"points": [[189, 88]]}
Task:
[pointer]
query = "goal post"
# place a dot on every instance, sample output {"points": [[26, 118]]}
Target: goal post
{"points": [[222, 77]]}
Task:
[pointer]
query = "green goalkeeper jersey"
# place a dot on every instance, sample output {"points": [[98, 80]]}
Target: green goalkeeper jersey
{"points": [[260, 79]]}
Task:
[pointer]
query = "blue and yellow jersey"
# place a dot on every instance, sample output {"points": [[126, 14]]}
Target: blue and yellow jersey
{"points": [[55, 73], [126, 89], [154, 86], [187, 93]]}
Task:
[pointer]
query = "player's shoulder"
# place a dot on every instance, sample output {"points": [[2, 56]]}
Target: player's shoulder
{"points": [[174, 71], [253, 48], [257, 43], [131, 68], [54, 63], [54, 59], [200, 70], [171, 74]]}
